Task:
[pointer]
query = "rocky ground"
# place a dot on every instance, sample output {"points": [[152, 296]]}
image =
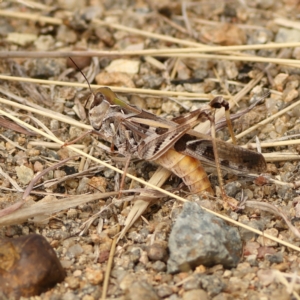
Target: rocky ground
{"points": [[175, 250]]}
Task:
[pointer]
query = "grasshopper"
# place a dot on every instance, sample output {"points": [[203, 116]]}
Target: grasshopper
{"points": [[172, 144]]}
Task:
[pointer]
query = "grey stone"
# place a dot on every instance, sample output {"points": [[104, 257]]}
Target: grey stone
{"points": [[200, 238], [140, 290]]}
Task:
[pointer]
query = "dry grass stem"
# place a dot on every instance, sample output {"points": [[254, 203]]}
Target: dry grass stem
{"points": [[12, 181], [108, 268], [49, 206], [274, 144], [278, 156], [160, 93], [52, 145]]}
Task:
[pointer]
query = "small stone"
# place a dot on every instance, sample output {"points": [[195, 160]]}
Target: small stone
{"points": [[73, 282], [226, 34], [72, 213], [128, 66], [153, 102], [232, 188], [285, 35], [267, 242], [44, 67], [159, 266], [157, 252], [44, 43], [88, 297], [22, 39], [115, 79], [251, 248], [164, 291], [37, 166], [94, 276], [280, 80], [266, 277], [33, 152], [77, 273], [66, 264], [140, 290], [275, 258], [195, 295], [74, 251], [289, 94], [80, 61], [25, 174], [237, 284], [98, 183], [66, 35]]}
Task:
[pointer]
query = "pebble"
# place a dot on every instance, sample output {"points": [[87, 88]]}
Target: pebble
{"points": [[73, 282], [289, 94], [44, 67], [232, 188], [285, 35], [128, 66], [94, 276], [280, 80], [157, 252], [21, 39], [226, 34], [80, 61], [44, 43], [25, 174], [66, 35], [159, 266], [237, 284], [114, 78], [74, 251], [77, 273], [37, 166], [140, 290], [199, 238], [275, 258], [212, 284], [164, 291], [195, 295], [150, 81], [267, 242]]}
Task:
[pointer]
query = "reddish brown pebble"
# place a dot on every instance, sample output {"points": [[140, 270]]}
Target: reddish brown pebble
{"points": [[81, 61], [28, 266]]}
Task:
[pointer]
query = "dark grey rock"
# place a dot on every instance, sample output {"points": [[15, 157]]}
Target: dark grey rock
{"points": [[276, 258], [232, 188], [200, 238]]}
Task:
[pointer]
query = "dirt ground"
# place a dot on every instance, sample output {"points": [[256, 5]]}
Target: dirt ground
{"points": [[169, 58]]}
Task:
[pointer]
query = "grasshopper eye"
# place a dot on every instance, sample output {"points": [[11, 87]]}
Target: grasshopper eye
{"points": [[98, 99]]}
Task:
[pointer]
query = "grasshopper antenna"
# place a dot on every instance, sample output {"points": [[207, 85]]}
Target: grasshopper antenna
{"points": [[71, 59]]}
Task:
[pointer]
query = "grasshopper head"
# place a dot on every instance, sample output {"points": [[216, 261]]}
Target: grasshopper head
{"points": [[99, 107]]}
